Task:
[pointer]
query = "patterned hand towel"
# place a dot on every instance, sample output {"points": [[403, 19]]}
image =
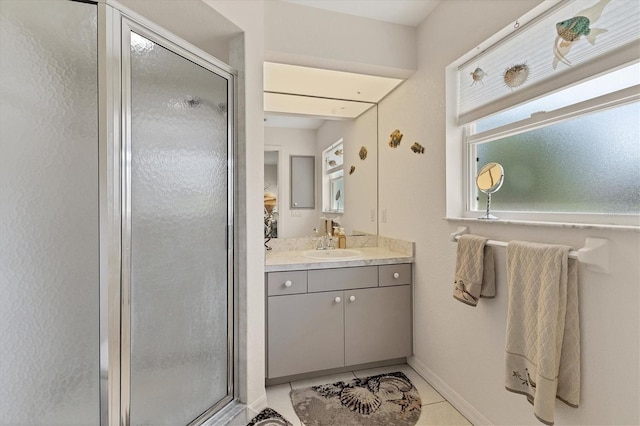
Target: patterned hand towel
{"points": [[475, 270], [543, 332]]}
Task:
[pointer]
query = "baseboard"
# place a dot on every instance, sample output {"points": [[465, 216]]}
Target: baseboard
{"points": [[469, 411], [332, 371], [257, 406]]}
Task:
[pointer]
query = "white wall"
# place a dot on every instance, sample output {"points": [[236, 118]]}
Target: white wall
{"points": [[307, 36], [293, 142], [459, 348], [247, 56]]}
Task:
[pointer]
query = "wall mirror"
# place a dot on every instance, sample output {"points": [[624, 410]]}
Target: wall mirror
{"points": [[332, 116]]}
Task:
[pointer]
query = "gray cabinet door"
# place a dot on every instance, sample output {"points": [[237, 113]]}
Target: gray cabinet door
{"points": [[377, 324], [305, 333]]}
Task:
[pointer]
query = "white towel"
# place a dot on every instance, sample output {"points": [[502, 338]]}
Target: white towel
{"points": [[543, 332], [475, 271]]}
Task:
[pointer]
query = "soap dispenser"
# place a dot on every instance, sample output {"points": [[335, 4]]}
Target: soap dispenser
{"points": [[342, 239]]}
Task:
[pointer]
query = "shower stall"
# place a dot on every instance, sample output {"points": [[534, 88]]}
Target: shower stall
{"points": [[117, 289]]}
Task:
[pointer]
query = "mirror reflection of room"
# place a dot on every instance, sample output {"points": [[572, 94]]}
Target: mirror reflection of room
{"points": [[333, 178], [310, 112], [271, 194], [343, 199]]}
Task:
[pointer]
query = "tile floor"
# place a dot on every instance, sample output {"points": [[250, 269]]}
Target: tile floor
{"points": [[435, 409]]}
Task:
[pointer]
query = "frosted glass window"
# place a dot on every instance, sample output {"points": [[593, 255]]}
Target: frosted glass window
{"points": [[588, 165], [49, 264], [179, 216]]}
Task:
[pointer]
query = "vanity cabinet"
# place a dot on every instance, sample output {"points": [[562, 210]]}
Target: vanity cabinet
{"points": [[346, 316]]}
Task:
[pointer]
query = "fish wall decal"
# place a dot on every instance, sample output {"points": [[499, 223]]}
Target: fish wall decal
{"points": [[352, 169], [363, 153], [417, 148], [395, 138]]}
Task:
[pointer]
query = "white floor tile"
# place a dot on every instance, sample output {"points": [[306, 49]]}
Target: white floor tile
{"points": [[427, 393], [342, 377], [440, 414], [278, 399]]}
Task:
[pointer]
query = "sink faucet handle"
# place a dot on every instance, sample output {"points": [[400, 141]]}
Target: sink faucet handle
{"points": [[331, 243]]}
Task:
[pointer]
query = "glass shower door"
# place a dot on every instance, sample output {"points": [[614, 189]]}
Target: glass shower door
{"points": [[177, 214], [49, 247]]}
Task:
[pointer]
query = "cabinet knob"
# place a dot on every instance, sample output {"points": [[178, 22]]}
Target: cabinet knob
{"points": [[337, 299], [288, 283], [352, 298], [396, 275]]}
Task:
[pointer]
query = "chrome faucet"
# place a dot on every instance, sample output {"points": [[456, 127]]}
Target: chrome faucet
{"points": [[326, 242]]}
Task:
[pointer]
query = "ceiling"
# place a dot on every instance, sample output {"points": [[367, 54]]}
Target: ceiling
{"points": [[404, 12]]}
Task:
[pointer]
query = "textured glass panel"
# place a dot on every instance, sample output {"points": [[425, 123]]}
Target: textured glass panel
{"points": [[49, 276], [589, 165], [178, 219]]}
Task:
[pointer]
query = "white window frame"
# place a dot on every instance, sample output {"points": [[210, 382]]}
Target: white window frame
{"points": [[329, 175], [536, 121], [460, 169]]}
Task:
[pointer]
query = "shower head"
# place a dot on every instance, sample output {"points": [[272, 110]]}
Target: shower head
{"points": [[192, 102]]}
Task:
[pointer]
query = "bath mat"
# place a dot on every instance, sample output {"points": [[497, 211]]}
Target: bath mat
{"points": [[269, 417], [383, 400]]}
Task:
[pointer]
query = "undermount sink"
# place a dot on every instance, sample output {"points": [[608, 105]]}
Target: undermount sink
{"points": [[337, 254]]}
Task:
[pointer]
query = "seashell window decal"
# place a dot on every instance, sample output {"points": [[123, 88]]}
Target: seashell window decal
{"points": [[516, 75], [477, 75], [395, 138], [363, 153]]}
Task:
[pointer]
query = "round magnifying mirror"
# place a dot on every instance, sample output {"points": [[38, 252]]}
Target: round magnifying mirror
{"points": [[489, 180]]}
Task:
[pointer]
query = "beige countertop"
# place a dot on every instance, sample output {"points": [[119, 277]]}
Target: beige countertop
{"points": [[278, 261]]}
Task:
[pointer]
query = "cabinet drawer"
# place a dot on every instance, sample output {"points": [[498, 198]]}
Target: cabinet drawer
{"points": [[342, 278], [281, 283], [395, 274]]}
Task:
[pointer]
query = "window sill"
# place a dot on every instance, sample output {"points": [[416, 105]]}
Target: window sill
{"points": [[597, 226]]}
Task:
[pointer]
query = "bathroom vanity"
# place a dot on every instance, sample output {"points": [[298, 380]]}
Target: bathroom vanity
{"points": [[324, 315]]}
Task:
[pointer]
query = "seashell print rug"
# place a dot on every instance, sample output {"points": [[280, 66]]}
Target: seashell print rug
{"points": [[269, 417], [382, 400]]}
